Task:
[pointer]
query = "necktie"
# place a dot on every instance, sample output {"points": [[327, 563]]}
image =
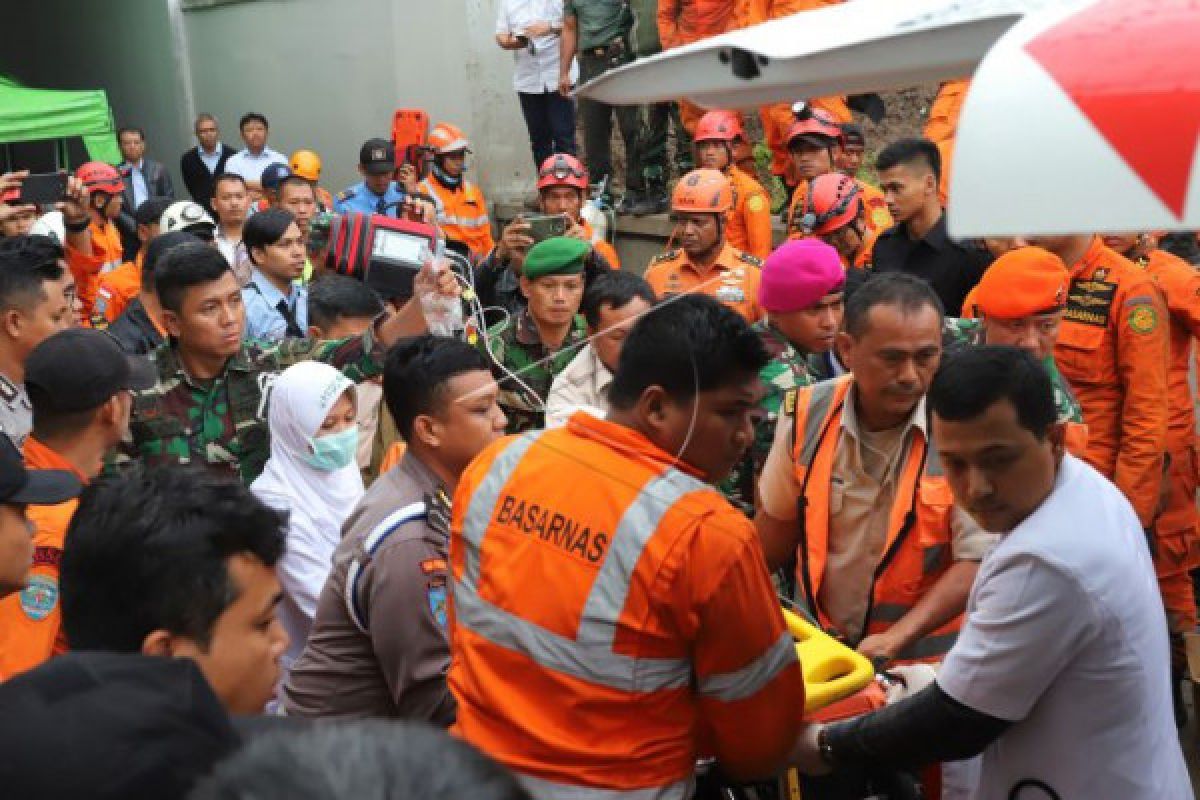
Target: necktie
{"points": [[293, 328]]}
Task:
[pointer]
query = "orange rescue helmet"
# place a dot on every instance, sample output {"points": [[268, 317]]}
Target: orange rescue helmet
{"points": [[816, 122], [306, 164], [100, 177], [702, 191], [446, 138], [834, 201], [562, 169], [721, 126]]}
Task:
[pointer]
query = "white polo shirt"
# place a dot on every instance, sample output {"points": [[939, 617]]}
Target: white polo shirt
{"points": [[536, 72], [1065, 636], [251, 166]]}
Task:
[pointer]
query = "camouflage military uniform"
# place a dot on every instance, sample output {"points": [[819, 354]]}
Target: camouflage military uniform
{"points": [[958, 332], [222, 424], [787, 370], [516, 345]]}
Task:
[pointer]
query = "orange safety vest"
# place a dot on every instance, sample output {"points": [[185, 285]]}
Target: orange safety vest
{"points": [[917, 549], [31, 620], [87, 269], [595, 644], [462, 215]]}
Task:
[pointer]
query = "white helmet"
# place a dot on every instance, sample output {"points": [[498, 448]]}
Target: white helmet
{"points": [[186, 216], [51, 225]]}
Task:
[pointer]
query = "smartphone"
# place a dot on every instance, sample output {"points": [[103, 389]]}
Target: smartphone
{"points": [[43, 188], [547, 226]]}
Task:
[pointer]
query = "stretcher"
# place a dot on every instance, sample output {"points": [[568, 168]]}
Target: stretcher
{"points": [[832, 671]]}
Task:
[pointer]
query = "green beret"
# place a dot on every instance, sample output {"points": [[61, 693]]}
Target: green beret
{"points": [[558, 256]]}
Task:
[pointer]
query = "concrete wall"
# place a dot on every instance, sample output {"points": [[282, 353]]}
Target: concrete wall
{"points": [[327, 73]]}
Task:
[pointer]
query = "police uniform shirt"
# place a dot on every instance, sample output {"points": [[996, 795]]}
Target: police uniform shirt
{"points": [[361, 199], [16, 412], [1065, 637]]}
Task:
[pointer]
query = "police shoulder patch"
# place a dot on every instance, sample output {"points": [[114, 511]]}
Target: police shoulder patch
{"points": [[436, 593], [667, 256], [345, 195], [749, 259], [39, 597], [1143, 319]]}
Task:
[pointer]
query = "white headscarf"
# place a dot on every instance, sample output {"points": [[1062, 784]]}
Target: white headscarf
{"points": [[300, 400]]}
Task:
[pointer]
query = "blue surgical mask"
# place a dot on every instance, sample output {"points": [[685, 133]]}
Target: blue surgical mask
{"points": [[334, 450]]}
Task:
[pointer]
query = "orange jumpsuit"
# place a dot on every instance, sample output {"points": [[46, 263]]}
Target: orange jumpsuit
{"points": [[118, 287], [876, 217], [1113, 349], [682, 22], [31, 620], [87, 269], [941, 127], [777, 118], [749, 221], [733, 279], [1176, 535]]}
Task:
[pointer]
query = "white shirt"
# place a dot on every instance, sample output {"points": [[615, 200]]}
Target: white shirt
{"points": [[138, 179], [1065, 636], [534, 72], [581, 386], [251, 166]]}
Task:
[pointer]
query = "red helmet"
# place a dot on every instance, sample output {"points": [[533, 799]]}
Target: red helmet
{"points": [[816, 122], [100, 177], [834, 201], [561, 169], [721, 126]]}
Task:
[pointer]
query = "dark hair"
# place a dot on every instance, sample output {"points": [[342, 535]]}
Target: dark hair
{"points": [[158, 247], [335, 297], [151, 210], [252, 116], [689, 344], [183, 267], [203, 116], [900, 289], [131, 129], [615, 289], [26, 262], [225, 177], [297, 180], [416, 371], [911, 152], [147, 551], [972, 379], [264, 228], [357, 759]]}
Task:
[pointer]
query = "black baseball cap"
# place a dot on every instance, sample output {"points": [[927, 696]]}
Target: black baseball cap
{"points": [[42, 487], [80, 369], [273, 175], [852, 133], [377, 156]]}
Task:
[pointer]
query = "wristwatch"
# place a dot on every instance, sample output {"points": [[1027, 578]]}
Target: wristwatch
{"points": [[824, 748]]}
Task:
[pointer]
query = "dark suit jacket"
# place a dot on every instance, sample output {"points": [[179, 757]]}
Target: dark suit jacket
{"points": [[158, 184], [197, 178]]}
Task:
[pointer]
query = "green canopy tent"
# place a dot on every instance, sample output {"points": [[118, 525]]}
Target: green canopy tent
{"points": [[50, 114]]}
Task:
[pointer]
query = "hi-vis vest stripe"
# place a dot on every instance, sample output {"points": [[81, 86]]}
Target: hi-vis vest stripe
{"points": [[547, 790], [589, 656], [910, 559], [443, 218]]}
